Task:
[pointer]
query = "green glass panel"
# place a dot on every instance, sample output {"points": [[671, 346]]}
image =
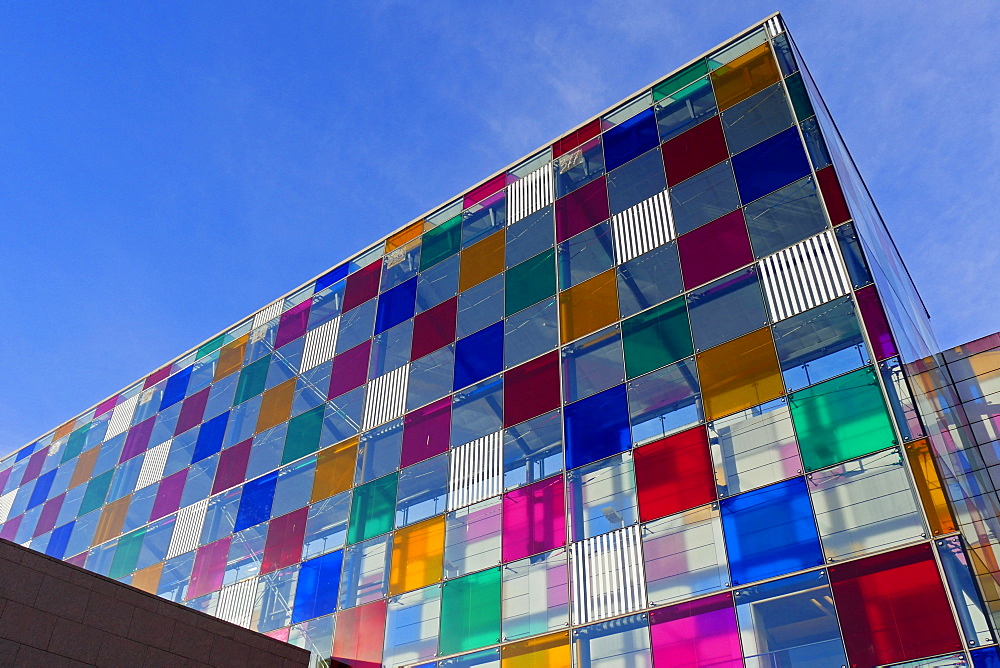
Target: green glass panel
{"points": [[800, 98], [688, 75], [441, 242], [211, 346], [252, 379], [531, 281], [97, 490], [303, 435], [470, 612], [373, 509], [127, 554], [74, 446], [840, 419], [656, 338]]}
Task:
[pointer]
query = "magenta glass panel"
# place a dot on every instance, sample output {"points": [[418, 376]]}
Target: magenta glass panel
{"points": [[209, 567], [491, 187], [362, 285], [155, 377], [34, 465], [350, 369], [698, 634], [105, 406], [293, 324], [876, 323], [50, 513], [534, 519], [137, 440], [78, 560], [284, 540], [10, 528], [232, 466], [582, 209], [279, 634], [714, 250], [192, 410], [426, 432], [434, 328], [168, 496]]}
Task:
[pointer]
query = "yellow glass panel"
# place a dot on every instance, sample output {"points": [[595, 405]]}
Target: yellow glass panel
{"points": [[335, 469], [748, 74], [84, 467], [587, 307], [148, 579], [929, 487], [482, 260], [112, 520], [739, 374], [551, 651], [231, 357], [63, 430], [404, 236], [417, 556], [276, 406]]}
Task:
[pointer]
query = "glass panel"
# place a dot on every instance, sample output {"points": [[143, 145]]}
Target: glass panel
{"points": [[960, 578], [551, 651], [530, 236], [596, 427], [664, 402], [685, 555], [437, 284], [636, 181], [730, 307], [699, 633], [470, 612], [714, 249], [592, 364], [770, 165], [854, 257], [431, 377], [395, 306], [741, 78], [482, 260], [535, 595], [478, 356], [326, 525], [585, 255], [703, 198], [426, 432], [335, 468], [485, 217], [434, 328], [694, 151], [630, 138], [785, 217], [532, 450], [674, 474], [441, 242], [417, 556], [581, 210], [531, 389], [685, 108], [756, 118], [621, 642], [602, 496], [372, 509], [929, 487], [534, 519], [578, 167], [481, 306], [356, 326], [589, 306], [366, 569], [820, 343], [401, 263], [530, 333], [477, 411], [472, 539], [379, 451], [754, 447], [530, 282], [390, 350], [656, 338], [423, 490], [411, 627], [294, 487], [649, 279]]}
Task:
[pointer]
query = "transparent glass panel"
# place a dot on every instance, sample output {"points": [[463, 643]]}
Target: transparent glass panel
{"points": [[579, 166], [621, 642], [379, 451], [437, 284], [685, 108], [366, 570], [585, 255], [786, 216], [754, 447], [649, 279], [533, 450], [477, 411], [326, 525], [685, 554], [423, 490], [959, 575], [480, 306], [390, 349], [703, 198], [636, 181], [531, 332], [592, 364], [664, 402], [356, 326], [756, 118], [536, 595], [275, 593], [295, 483], [431, 377], [602, 496], [820, 343], [411, 626], [727, 308], [472, 538], [530, 236]]}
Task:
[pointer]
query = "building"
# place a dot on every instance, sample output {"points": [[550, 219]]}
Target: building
{"points": [[643, 398]]}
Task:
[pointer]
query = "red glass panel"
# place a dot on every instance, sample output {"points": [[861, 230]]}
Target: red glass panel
{"points": [[493, 186], [893, 607], [192, 410], [576, 137], [714, 250], [582, 209], [49, 515], [876, 323], [836, 205], [350, 369], [531, 389], [209, 567], [694, 151], [534, 519], [362, 285], [359, 634], [155, 377], [168, 496], [293, 324], [699, 634], [434, 328], [232, 466], [674, 474], [284, 540], [426, 432], [105, 406]]}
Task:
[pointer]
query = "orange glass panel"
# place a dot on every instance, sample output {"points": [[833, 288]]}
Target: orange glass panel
{"points": [[231, 357], [739, 374], [748, 74], [417, 556], [587, 307], [112, 520], [335, 469], [276, 406], [482, 260], [148, 579], [551, 651], [84, 467], [929, 487], [63, 430], [404, 236]]}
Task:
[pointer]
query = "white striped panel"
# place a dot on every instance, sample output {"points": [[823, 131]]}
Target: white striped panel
{"points": [[236, 602], [6, 501], [774, 26], [267, 314], [121, 417], [476, 471], [609, 577], [528, 195], [152, 465], [386, 398], [641, 228], [187, 528], [803, 276], [320, 345]]}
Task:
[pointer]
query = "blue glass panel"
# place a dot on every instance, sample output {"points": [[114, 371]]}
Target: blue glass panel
{"points": [[176, 388], [630, 139], [319, 583], [331, 277], [986, 657], [770, 165], [770, 531], [597, 427], [210, 437], [58, 541], [24, 452], [479, 356], [42, 486], [255, 506], [396, 305]]}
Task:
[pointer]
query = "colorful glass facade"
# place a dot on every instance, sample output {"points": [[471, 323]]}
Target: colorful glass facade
{"points": [[638, 400]]}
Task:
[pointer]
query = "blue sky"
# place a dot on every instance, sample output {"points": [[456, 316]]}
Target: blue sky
{"points": [[166, 169]]}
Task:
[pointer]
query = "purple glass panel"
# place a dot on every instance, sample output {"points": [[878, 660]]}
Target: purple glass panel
{"points": [[232, 466], [50, 513], [137, 440], [168, 496], [105, 406], [696, 634], [293, 324], [534, 519], [34, 466], [491, 187], [192, 410], [155, 377], [426, 432], [78, 560], [876, 323], [209, 567], [4, 477], [714, 250], [9, 530], [582, 209], [350, 369]]}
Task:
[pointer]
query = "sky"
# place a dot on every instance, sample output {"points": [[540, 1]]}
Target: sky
{"points": [[166, 169]]}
